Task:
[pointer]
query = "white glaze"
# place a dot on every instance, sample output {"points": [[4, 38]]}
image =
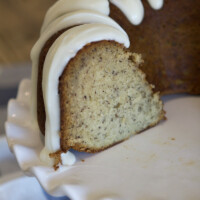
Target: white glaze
{"points": [[65, 6], [156, 4], [64, 48], [132, 9], [68, 158], [45, 158]]}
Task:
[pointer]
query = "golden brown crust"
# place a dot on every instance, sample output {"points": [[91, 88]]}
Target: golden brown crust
{"points": [[169, 42]]}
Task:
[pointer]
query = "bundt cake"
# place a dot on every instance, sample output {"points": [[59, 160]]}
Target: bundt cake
{"points": [[88, 89]]}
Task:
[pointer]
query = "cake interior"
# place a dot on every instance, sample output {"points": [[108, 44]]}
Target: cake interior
{"points": [[105, 98]]}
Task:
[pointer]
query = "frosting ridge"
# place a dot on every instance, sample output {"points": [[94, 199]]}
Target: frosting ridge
{"points": [[156, 4], [65, 6]]}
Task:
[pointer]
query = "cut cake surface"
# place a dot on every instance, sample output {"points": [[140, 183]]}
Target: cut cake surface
{"points": [[105, 98]]}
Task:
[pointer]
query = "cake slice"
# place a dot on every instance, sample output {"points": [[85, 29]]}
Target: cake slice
{"points": [[105, 98]]}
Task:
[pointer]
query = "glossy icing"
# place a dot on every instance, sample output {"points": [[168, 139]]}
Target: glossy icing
{"points": [[156, 4], [134, 10], [65, 6]]}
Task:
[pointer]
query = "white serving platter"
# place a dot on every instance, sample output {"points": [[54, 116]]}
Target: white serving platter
{"points": [[162, 163]]}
